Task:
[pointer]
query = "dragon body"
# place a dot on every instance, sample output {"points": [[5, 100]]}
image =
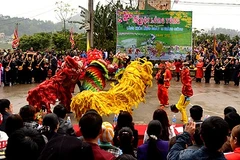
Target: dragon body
{"points": [[129, 92]]}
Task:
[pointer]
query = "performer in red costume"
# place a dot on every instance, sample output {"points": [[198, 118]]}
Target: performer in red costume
{"points": [[60, 87], [187, 92], [163, 77], [199, 71]]}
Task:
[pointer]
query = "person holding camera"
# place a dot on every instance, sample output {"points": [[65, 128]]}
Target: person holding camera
{"points": [[214, 131]]}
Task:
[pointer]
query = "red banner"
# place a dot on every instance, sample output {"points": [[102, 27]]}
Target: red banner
{"points": [[72, 39], [16, 40]]}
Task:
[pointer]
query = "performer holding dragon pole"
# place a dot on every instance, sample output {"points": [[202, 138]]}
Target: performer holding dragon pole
{"points": [[187, 92]]}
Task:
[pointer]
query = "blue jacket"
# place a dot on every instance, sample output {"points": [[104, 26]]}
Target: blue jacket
{"points": [[178, 151]]}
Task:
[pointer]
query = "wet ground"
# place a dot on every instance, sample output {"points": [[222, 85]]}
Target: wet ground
{"points": [[212, 97]]}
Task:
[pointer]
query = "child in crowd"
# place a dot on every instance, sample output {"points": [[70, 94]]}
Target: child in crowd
{"points": [[106, 138], [187, 92]]}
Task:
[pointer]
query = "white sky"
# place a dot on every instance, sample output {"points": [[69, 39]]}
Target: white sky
{"points": [[205, 16]]}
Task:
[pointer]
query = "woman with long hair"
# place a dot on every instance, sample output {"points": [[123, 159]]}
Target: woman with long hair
{"points": [[167, 130], [125, 120], [125, 137], [154, 148]]}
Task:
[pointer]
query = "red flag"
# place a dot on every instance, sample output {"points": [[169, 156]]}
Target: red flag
{"points": [[72, 39], [15, 42], [215, 45]]}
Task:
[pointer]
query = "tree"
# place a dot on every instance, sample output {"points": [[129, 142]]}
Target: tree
{"points": [[105, 29], [64, 13], [81, 41], [39, 41]]}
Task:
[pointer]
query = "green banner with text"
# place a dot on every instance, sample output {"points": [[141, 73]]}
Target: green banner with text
{"points": [[157, 34]]}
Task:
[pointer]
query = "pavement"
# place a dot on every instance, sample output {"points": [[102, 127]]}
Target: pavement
{"points": [[212, 97]]}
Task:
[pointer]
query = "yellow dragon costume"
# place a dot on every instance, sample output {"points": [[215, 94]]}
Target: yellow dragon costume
{"points": [[129, 92]]}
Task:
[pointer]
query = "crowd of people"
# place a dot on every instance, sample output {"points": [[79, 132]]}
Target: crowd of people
{"points": [[18, 67], [32, 135], [24, 136]]}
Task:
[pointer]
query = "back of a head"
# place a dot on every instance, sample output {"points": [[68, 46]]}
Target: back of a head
{"points": [[162, 117], [4, 103], [27, 113], [60, 111], [196, 112], [229, 109], [58, 148], [154, 129], [24, 144], [50, 120], [13, 123], [125, 136], [232, 119], [124, 120], [90, 124], [107, 132], [154, 132], [125, 157], [214, 131]]}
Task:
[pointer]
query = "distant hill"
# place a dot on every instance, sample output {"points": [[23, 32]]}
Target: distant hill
{"points": [[29, 27], [230, 32]]}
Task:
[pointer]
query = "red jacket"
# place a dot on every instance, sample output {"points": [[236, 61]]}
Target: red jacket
{"points": [[178, 65], [199, 72], [167, 78], [235, 155], [186, 82]]}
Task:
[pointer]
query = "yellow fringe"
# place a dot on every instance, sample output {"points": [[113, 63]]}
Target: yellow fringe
{"points": [[129, 92]]}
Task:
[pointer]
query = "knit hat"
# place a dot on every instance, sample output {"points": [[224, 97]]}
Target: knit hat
{"points": [[107, 132]]}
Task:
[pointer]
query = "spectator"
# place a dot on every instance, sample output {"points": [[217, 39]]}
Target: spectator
{"points": [[235, 144], [91, 127], [66, 148], [167, 129], [64, 126], [125, 137], [13, 123], [50, 126], [27, 113], [228, 110], [214, 131], [233, 119], [196, 113], [6, 110], [125, 157], [154, 148], [24, 144], [196, 142], [106, 139], [125, 120]]}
